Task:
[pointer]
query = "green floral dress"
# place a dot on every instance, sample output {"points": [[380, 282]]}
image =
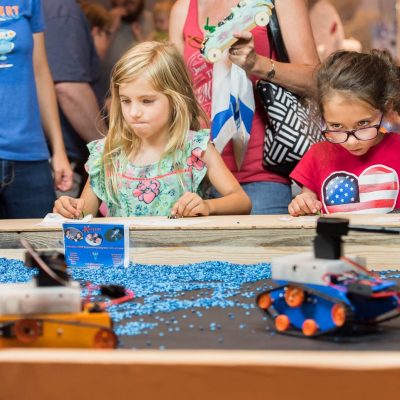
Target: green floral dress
{"points": [[151, 189]]}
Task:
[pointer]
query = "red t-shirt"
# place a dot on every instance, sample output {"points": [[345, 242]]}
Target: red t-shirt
{"points": [[201, 73], [345, 183]]}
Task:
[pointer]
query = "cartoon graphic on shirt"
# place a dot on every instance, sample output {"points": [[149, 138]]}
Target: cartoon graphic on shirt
{"points": [[374, 191], [6, 46]]}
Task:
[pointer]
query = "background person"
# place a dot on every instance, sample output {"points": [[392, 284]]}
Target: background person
{"points": [[100, 23], [28, 102], [161, 13], [270, 193], [75, 68]]}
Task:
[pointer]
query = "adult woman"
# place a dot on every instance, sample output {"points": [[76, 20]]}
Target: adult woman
{"points": [[26, 183], [270, 193]]}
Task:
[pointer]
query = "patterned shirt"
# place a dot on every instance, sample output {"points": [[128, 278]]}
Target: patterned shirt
{"points": [[151, 189]]}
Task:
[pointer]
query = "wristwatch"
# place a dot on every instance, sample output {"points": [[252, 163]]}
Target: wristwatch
{"points": [[271, 72]]}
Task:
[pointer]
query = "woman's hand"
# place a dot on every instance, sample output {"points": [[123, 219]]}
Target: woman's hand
{"points": [[63, 174], [190, 205], [242, 52], [304, 204], [69, 207]]}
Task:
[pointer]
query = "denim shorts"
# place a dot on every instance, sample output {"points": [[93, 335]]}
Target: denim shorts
{"points": [[266, 197], [26, 189]]}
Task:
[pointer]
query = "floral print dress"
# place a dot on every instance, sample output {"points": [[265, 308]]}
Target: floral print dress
{"points": [[151, 189]]}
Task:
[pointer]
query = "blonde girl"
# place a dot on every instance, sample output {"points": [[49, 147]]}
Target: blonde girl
{"points": [[154, 158]]}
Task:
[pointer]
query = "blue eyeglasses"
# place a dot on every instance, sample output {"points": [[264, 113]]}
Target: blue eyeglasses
{"points": [[365, 133]]}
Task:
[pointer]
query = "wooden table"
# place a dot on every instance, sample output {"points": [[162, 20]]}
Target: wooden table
{"points": [[242, 239], [174, 374]]}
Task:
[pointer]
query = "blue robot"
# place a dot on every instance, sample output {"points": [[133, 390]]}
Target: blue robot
{"points": [[325, 291]]}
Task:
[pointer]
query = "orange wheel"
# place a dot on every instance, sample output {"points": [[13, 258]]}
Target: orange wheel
{"points": [[282, 323], [27, 330], [309, 327], [105, 339], [338, 314], [294, 296], [264, 301]]}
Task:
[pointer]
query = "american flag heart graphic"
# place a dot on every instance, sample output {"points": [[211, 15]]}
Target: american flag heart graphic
{"points": [[374, 191]]}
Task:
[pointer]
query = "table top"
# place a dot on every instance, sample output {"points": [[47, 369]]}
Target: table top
{"points": [[234, 222]]}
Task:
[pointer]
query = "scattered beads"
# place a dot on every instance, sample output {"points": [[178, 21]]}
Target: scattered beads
{"points": [[163, 289]]}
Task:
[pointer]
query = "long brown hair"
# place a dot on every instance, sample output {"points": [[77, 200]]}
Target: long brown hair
{"points": [[371, 77]]}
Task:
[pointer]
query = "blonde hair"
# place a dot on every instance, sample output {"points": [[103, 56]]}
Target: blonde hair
{"points": [[166, 71]]}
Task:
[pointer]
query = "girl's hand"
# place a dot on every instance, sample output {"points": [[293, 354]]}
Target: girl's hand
{"points": [[304, 204], [190, 205], [69, 207], [63, 174], [243, 53]]}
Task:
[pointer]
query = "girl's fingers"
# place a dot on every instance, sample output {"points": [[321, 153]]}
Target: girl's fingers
{"points": [[291, 210], [295, 208], [179, 206], [80, 203], [301, 201], [190, 207], [183, 207], [188, 203], [312, 205], [317, 206], [201, 209], [69, 207], [63, 209]]}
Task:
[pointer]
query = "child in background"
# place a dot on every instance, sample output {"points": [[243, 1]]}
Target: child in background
{"points": [[100, 23], [161, 11], [154, 158], [356, 169]]}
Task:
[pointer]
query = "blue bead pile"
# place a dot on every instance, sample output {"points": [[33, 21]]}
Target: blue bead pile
{"points": [[173, 300], [163, 289]]}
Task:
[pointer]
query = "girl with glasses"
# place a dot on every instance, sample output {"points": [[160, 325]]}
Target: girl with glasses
{"points": [[356, 169]]}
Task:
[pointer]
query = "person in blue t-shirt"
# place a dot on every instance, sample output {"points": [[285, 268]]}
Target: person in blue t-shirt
{"points": [[75, 67], [28, 102]]}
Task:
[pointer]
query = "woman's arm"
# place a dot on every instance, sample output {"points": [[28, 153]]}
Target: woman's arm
{"points": [[298, 75], [177, 20], [49, 114]]}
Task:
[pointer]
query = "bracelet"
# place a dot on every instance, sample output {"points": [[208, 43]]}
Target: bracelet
{"points": [[271, 72]]}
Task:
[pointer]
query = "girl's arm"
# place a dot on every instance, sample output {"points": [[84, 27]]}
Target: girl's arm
{"points": [[305, 203], [233, 201], [298, 75], [63, 174], [69, 207]]}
